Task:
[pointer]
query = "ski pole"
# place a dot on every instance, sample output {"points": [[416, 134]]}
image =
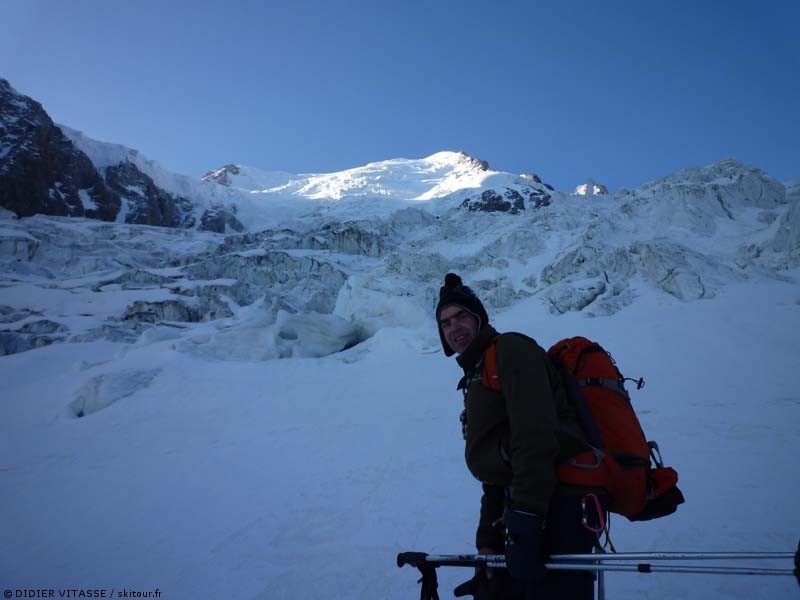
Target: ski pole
{"points": [[674, 556], [500, 558], [498, 561], [428, 563], [594, 562], [648, 568]]}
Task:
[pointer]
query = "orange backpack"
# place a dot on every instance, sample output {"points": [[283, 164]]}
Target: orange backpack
{"points": [[619, 456]]}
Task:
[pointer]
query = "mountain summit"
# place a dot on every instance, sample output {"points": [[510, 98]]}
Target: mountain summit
{"points": [[401, 179], [591, 188]]}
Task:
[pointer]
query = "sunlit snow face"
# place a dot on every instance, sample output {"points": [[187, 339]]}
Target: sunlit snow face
{"points": [[459, 327]]}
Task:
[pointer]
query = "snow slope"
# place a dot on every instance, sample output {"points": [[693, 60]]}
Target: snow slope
{"points": [[268, 198], [404, 179], [305, 477], [270, 415]]}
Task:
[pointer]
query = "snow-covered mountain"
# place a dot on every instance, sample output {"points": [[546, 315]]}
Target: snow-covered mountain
{"points": [[325, 243], [126, 187], [47, 169], [433, 177], [688, 235], [233, 378]]}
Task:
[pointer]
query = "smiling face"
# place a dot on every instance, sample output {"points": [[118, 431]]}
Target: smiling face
{"points": [[459, 327]]}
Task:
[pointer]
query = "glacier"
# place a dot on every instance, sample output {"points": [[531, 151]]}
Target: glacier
{"points": [[267, 413]]}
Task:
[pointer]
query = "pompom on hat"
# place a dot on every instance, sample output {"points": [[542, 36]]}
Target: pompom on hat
{"points": [[455, 292]]}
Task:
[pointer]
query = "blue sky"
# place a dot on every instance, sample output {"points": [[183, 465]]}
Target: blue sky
{"points": [[622, 91]]}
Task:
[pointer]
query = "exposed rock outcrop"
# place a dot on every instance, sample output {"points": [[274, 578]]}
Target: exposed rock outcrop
{"points": [[490, 201], [511, 200], [146, 204], [40, 169], [220, 220], [477, 163], [536, 179], [222, 176], [591, 188]]}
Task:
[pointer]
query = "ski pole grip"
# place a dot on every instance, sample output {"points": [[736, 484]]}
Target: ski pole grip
{"points": [[415, 559]]}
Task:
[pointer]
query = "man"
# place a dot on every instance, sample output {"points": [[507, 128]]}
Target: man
{"points": [[514, 439]]}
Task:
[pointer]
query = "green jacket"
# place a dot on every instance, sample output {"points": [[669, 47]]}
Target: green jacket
{"points": [[514, 439]]}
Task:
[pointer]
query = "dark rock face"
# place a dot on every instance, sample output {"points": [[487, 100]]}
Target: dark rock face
{"points": [[148, 204], [491, 201], [540, 199], [144, 203], [40, 169], [512, 201], [219, 219]]}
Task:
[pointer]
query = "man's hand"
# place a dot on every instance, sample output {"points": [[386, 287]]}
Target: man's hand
{"points": [[489, 571], [524, 535]]}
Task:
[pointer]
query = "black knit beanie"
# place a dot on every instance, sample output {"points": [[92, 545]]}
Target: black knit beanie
{"points": [[455, 292]]}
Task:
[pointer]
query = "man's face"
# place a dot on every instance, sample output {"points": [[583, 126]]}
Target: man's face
{"points": [[459, 327]]}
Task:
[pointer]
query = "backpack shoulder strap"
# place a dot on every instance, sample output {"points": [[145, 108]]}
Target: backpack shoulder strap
{"points": [[489, 376]]}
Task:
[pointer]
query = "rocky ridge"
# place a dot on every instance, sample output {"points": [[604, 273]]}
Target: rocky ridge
{"points": [[40, 170], [43, 171], [222, 176]]}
